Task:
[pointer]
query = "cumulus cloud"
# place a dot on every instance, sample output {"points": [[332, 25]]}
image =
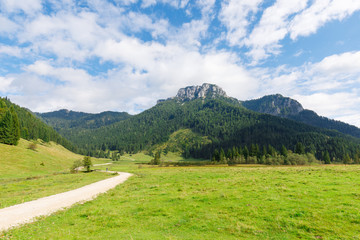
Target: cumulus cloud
{"points": [[160, 73], [331, 87], [27, 6], [94, 56], [319, 13], [236, 16], [5, 84], [7, 26], [273, 27], [283, 19], [342, 106]]}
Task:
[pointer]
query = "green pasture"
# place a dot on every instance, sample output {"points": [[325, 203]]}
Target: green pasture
{"points": [[215, 202], [27, 174]]}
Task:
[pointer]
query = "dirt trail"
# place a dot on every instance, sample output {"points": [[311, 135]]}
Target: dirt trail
{"points": [[26, 212]]}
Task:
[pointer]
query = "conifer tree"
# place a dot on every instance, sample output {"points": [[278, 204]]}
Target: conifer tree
{"points": [[299, 148], [6, 128], [246, 152], [15, 131], [284, 151], [326, 158]]}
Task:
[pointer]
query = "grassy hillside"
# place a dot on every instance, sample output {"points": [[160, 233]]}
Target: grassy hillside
{"points": [[27, 174], [20, 161], [180, 142], [319, 202]]}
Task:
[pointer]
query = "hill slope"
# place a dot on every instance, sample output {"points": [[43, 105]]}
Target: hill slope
{"points": [[31, 127], [65, 119], [20, 161], [280, 106], [225, 124]]}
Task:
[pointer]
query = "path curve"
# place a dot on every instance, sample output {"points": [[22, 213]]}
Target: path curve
{"points": [[28, 211]]}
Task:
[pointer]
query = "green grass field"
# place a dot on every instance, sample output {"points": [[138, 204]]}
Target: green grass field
{"points": [[26, 174], [218, 202], [20, 161]]}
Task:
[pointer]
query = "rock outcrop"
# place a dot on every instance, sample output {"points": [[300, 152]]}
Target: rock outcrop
{"points": [[276, 105], [204, 91]]}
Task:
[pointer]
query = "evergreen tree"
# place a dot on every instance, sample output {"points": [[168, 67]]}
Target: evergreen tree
{"points": [[6, 129], [284, 151], [299, 148], [15, 131], [271, 150], [229, 154], [347, 159], [156, 160], [246, 152], [264, 151], [222, 156], [326, 158], [216, 155]]}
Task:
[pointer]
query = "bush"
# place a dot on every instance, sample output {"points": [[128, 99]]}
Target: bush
{"points": [[32, 146], [76, 166], [87, 163]]}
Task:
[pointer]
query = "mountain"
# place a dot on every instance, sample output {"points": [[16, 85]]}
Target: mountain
{"points": [[276, 105], [31, 127], [212, 121], [64, 120], [285, 107]]}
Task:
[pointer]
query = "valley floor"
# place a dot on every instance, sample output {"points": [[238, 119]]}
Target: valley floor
{"points": [[26, 212], [217, 202]]}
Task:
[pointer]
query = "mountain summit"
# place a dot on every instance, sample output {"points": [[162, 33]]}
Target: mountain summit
{"points": [[276, 105], [204, 91]]}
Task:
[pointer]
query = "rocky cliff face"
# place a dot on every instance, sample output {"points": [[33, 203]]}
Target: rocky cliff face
{"points": [[276, 105], [204, 91]]}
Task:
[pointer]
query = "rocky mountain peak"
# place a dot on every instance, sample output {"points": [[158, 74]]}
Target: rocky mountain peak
{"points": [[204, 91], [276, 105]]}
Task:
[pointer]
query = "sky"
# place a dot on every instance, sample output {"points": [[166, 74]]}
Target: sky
{"points": [[124, 55]]}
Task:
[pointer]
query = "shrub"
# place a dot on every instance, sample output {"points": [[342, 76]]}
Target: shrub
{"points": [[87, 163], [32, 146], [76, 166]]}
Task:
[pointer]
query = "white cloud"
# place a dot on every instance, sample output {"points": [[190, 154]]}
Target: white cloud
{"points": [[67, 41], [345, 63], [294, 18], [149, 70], [273, 27], [319, 13], [173, 3], [330, 87], [12, 50], [236, 16], [340, 106], [27, 6], [5, 84], [7, 26], [65, 35]]}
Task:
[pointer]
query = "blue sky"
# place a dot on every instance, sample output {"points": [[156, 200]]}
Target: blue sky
{"points": [[124, 55]]}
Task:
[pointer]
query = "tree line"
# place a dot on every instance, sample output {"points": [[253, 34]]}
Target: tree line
{"points": [[16, 122]]}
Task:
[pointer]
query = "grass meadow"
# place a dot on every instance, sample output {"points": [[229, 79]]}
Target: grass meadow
{"points": [[27, 174], [216, 202]]}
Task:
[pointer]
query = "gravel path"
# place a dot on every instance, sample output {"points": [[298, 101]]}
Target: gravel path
{"points": [[26, 212]]}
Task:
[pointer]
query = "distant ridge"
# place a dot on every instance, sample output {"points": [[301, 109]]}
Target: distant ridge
{"points": [[276, 105]]}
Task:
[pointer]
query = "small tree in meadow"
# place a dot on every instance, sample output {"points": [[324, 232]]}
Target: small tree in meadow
{"points": [[76, 165], [87, 163], [156, 160]]}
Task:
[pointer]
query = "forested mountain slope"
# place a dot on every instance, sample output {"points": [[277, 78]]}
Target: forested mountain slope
{"points": [[278, 105], [65, 119], [224, 122], [29, 126]]}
